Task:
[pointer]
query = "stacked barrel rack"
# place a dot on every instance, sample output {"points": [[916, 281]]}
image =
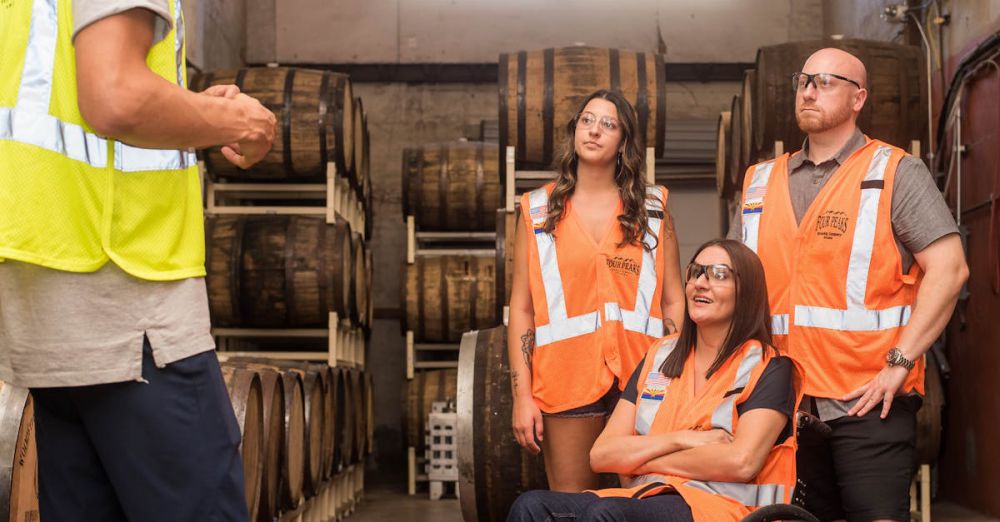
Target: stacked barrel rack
{"points": [[451, 192], [290, 283]]}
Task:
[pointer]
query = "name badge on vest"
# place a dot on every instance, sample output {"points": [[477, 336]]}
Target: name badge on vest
{"points": [[656, 386]]}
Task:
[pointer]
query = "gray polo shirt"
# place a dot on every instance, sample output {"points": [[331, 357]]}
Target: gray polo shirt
{"points": [[919, 213], [76, 329]]}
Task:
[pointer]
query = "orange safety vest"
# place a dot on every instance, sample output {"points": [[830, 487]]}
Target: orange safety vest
{"points": [[836, 307], [597, 307], [666, 405]]}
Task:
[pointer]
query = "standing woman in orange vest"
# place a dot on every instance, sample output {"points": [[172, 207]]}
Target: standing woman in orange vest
{"points": [[703, 430], [596, 280]]}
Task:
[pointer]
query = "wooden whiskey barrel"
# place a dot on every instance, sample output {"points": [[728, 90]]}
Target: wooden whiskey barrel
{"points": [[360, 123], [723, 183], [737, 166], [895, 112], [369, 195], [369, 396], [448, 295], [277, 271], [290, 468], [19, 465], [344, 423], [421, 392], [357, 414], [313, 417], [452, 186], [359, 283], [315, 112], [929, 414], [330, 415], [370, 276], [246, 393], [541, 90], [749, 153], [493, 469]]}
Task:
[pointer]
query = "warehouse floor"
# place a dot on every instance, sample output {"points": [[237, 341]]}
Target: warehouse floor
{"points": [[386, 502]]}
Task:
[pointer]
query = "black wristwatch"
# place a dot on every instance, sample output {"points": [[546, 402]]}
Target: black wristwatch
{"points": [[895, 357]]}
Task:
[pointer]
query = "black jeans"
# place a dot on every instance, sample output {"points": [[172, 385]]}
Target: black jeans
{"points": [[166, 450], [545, 506]]}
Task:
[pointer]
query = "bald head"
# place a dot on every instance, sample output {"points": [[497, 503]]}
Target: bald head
{"points": [[837, 61]]}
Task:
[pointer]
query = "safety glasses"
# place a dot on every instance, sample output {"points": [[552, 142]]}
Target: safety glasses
{"points": [[718, 273]]}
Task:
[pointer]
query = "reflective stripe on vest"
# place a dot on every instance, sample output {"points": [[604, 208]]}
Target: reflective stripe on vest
{"points": [[779, 324], [753, 207], [30, 123], [560, 326], [656, 386], [753, 495], [638, 320], [753, 203], [856, 318], [722, 417]]}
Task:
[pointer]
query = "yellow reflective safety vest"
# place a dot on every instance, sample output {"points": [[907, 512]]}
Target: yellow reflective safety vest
{"points": [[69, 198]]}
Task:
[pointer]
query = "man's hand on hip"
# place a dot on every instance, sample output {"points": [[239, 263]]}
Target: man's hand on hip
{"points": [[881, 389]]}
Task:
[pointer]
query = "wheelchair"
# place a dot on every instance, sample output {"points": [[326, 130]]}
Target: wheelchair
{"points": [[793, 511]]}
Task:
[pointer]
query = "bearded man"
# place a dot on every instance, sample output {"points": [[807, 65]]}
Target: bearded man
{"points": [[864, 265]]}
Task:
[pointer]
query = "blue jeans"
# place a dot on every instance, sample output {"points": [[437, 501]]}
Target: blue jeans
{"points": [[546, 506]]}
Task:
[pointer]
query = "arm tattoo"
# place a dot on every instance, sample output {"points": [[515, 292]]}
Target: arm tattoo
{"points": [[668, 221], [513, 380], [528, 346], [670, 326]]}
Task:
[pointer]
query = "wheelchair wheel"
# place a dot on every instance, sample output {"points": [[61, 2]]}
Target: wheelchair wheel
{"points": [[778, 512]]}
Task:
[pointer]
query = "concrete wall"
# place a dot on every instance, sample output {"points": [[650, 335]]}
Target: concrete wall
{"points": [[215, 31], [457, 31]]}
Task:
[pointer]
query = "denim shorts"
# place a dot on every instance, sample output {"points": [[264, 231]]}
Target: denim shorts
{"points": [[600, 408]]}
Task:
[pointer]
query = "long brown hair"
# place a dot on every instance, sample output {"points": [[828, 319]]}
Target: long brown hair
{"points": [[629, 175], [751, 315]]}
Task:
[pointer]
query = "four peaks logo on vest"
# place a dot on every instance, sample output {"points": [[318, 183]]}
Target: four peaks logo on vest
{"points": [[623, 265], [831, 224]]}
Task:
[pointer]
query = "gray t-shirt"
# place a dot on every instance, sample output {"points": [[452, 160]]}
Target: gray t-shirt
{"points": [[86, 12], [919, 214], [77, 329]]}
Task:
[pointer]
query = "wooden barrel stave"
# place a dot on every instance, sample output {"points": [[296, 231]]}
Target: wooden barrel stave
{"points": [[724, 130], [313, 108], [541, 90], [246, 394], [359, 280], [448, 295], [493, 468], [313, 404], [291, 468], [274, 271], [19, 466], [344, 424], [452, 186], [737, 167]]}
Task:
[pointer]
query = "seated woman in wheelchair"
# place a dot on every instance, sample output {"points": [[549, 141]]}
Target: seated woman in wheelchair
{"points": [[704, 429]]}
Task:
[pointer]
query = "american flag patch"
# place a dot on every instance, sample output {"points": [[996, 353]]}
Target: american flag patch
{"points": [[756, 192], [539, 212], [656, 386]]}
